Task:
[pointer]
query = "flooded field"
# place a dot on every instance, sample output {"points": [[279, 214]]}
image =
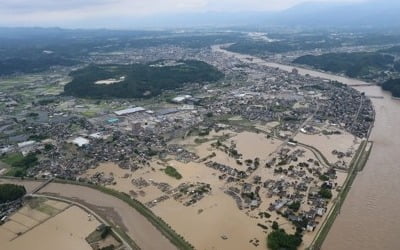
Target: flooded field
{"points": [[47, 225], [253, 145], [113, 209], [344, 143]]}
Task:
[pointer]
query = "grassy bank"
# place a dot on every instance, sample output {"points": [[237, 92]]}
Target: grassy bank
{"points": [[365, 156]]}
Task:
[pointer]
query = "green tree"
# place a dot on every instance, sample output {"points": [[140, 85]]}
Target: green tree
{"points": [[325, 193], [295, 206], [279, 239], [171, 171], [11, 192]]}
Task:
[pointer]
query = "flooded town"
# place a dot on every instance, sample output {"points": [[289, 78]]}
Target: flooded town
{"points": [[261, 148], [199, 124]]}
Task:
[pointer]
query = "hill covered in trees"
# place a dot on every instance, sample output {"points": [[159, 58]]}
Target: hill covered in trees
{"points": [[138, 80], [260, 47], [287, 44], [392, 85], [11, 192], [357, 64]]}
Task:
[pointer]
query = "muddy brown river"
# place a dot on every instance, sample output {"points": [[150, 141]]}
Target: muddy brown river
{"points": [[109, 207], [369, 218]]}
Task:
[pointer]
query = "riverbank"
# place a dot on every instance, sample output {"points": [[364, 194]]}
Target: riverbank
{"points": [[369, 215], [47, 224], [109, 205], [356, 165]]}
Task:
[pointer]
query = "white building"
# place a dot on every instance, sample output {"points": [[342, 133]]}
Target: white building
{"points": [[180, 99], [97, 135], [26, 147], [26, 144], [187, 107], [129, 111], [80, 141]]}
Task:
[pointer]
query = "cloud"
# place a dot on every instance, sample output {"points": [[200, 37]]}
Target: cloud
{"points": [[26, 6], [259, 5], [59, 12]]}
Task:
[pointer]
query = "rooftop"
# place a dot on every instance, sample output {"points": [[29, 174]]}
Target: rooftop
{"points": [[129, 111], [80, 141]]}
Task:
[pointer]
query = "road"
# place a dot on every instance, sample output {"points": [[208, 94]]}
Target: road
{"points": [[286, 141]]}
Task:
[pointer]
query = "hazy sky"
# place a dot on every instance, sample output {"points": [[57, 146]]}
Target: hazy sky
{"points": [[57, 12]]}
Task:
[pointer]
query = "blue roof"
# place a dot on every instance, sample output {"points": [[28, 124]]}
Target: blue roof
{"points": [[113, 120]]}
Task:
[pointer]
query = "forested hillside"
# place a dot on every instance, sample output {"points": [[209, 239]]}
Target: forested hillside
{"points": [[138, 80]]}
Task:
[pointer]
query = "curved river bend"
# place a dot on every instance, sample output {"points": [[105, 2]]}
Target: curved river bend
{"points": [[370, 217]]}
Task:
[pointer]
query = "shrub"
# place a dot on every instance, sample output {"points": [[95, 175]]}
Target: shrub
{"points": [[171, 171]]}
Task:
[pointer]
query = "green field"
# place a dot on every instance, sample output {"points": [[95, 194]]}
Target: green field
{"points": [[19, 164]]}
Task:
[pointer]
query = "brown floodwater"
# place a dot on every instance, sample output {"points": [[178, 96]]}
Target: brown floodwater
{"points": [[369, 218], [64, 231], [131, 221]]}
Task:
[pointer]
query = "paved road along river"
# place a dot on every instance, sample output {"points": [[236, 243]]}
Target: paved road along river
{"points": [[370, 217]]}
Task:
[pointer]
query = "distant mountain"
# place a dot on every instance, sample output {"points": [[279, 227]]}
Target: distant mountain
{"points": [[190, 20], [384, 13]]}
